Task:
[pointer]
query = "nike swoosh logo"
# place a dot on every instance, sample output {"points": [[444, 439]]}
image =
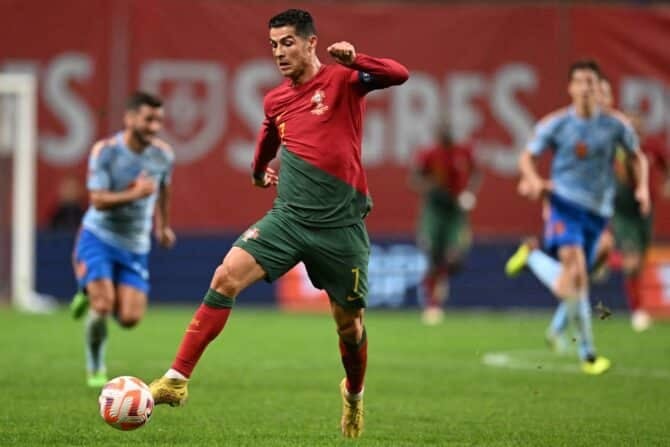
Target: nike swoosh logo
{"points": [[353, 298]]}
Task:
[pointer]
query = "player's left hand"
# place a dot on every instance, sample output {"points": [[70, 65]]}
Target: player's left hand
{"points": [[467, 200], [642, 197], [343, 52], [270, 178], [166, 237]]}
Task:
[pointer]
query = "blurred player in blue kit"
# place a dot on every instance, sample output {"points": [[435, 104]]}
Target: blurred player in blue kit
{"points": [[128, 178], [584, 139]]}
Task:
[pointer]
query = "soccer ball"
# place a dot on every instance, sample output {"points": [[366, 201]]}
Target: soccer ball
{"points": [[126, 403]]}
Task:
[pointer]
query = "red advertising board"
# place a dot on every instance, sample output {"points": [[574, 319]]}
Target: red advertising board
{"points": [[496, 68]]}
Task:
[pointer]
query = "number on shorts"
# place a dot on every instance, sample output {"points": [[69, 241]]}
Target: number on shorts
{"points": [[357, 275]]}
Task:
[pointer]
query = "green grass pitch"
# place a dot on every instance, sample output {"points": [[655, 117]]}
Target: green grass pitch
{"points": [[271, 379]]}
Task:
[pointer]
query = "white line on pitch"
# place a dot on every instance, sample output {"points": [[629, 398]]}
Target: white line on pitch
{"points": [[517, 360]]}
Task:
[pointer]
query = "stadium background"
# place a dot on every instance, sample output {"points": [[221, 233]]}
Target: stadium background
{"points": [[497, 68]]}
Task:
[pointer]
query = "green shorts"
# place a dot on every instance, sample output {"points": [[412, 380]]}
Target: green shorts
{"points": [[444, 233], [336, 259], [632, 232]]}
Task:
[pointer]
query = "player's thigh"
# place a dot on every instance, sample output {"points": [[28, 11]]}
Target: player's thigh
{"points": [[338, 263], [562, 228], [238, 271], [646, 232], [131, 304], [131, 276], [432, 235], [593, 230], [274, 244], [459, 236], [627, 233], [93, 265]]}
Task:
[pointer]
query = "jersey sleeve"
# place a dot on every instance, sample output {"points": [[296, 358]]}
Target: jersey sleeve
{"points": [[372, 73], [627, 136], [167, 176], [98, 171], [267, 143], [543, 136]]}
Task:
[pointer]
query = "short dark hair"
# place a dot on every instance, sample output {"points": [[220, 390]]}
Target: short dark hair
{"points": [[140, 98], [299, 19], [585, 64]]}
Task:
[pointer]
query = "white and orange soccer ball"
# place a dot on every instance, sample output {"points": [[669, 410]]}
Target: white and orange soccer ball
{"points": [[126, 403]]}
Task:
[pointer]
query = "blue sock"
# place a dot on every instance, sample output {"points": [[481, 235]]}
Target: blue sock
{"points": [[579, 311], [546, 268], [560, 319], [586, 348], [95, 329]]}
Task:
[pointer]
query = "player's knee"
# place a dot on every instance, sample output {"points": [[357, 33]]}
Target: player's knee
{"points": [[631, 264], [128, 322], [350, 331], [103, 304], [224, 282]]}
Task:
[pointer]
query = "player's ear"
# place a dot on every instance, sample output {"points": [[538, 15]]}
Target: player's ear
{"points": [[128, 117], [313, 40]]}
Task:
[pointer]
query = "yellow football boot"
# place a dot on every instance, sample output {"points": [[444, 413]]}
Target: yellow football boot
{"points": [[173, 392], [598, 366], [352, 412]]}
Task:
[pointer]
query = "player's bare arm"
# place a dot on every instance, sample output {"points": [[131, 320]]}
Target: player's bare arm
{"points": [[531, 185], [143, 186], [163, 232], [641, 167]]}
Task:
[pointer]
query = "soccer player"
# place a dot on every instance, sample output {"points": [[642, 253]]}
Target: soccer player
{"points": [[315, 115], [447, 178], [128, 177], [632, 228], [584, 138]]}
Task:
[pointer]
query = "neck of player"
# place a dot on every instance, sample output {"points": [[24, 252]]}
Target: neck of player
{"points": [[585, 109], [133, 142], [308, 73]]}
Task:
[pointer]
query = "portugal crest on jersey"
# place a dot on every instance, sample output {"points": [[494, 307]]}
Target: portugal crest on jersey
{"points": [[317, 101]]}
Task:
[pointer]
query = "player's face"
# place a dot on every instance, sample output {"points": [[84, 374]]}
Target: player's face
{"points": [[292, 53], [605, 98], [145, 123], [583, 87]]}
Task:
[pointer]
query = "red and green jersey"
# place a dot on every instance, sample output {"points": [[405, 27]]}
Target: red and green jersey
{"points": [[658, 158], [319, 126], [450, 168]]}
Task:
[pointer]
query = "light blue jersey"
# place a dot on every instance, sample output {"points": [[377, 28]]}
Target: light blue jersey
{"points": [[113, 166], [582, 168]]}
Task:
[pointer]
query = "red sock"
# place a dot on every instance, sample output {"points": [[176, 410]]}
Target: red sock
{"points": [[355, 360], [632, 286], [206, 324], [429, 284]]}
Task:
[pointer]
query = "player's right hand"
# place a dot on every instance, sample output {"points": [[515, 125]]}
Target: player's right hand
{"points": [[143, 185], [534, 187], [270, 178]]}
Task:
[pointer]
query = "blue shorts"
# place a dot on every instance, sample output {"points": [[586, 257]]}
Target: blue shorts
{"points": [[572, 224], [95, 259]]}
